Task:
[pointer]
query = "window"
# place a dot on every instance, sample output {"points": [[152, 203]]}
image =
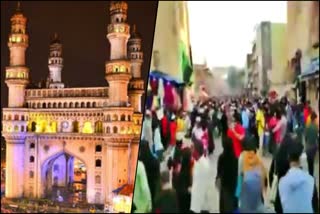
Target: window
{"points": [[108, 118], [115, 130], [32, 146], [16, 128], [123, 117], [22, 129], [108, 130], [31, 159], [98, 179], [16, 117], [98, 163], [31, 174], [98, 148], [129, 118]]}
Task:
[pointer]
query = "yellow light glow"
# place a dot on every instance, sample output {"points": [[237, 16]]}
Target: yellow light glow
{"points": [[9, 129], [129, 130], [122, 68], [87, 128], [18, 39], [122, 204]]}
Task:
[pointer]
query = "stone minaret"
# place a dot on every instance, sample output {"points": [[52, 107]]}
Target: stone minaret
{"points": [[136, 85], [55, 63], [118, 67], [17, 74], [17, 78]]}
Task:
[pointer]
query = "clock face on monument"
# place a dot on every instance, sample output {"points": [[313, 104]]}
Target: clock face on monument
{"points": [[65, 124]]}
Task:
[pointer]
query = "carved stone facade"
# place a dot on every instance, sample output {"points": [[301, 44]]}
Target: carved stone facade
{"points": [[47, 128]]}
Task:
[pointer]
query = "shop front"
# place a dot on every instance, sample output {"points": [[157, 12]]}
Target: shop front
{"points": [[310, 78]]}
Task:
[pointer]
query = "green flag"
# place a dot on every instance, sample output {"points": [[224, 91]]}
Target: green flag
{"points": [[186, 66]]}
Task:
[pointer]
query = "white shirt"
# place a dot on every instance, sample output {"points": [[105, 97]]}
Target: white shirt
{"points": [[202, 190], [198, 132]]}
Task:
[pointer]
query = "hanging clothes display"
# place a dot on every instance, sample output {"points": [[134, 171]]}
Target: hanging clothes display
{"points": [[154, 85], [149, 100], [161, 91], [168, 95], [173, 130]]}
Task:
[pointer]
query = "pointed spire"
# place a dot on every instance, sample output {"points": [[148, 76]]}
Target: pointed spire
{"points": [[134, 28], [134, 33], [55, 38], [18, 9]]}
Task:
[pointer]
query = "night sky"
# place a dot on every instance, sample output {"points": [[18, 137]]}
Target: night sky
{"points": [[82, 28]]}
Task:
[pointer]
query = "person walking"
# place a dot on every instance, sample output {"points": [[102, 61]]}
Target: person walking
{"points": [[296, 185], [311, 140], [142, 196], [226, 179], [202, 192], [184, 181], [166, 201], [253, 180], [260, 123]]}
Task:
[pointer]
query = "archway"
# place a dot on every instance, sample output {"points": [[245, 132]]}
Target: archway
{"points": [[64, 176], [98, 127], [75, 126]]}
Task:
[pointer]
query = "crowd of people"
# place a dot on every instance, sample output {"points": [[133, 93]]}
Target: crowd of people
{"points": [[175, 173]]}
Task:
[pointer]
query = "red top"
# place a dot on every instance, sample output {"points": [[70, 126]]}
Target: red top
{"points": [[272, 123], [237, 147], [173, 130], [164, 125], [305, 114]]}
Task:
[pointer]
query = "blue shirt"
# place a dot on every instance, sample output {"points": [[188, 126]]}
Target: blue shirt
{"points": [[296, 191], [245, 119]]}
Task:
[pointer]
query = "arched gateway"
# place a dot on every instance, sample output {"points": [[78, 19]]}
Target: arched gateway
{"points": [[64, 177]]}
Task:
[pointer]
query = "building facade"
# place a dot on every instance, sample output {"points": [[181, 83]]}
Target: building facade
{"points": [[266, 64], [171, 37], [303, 49], [49, 131]]}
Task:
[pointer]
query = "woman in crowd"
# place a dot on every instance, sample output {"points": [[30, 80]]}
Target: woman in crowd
{"points": [[142, 197], [166, 201], [152, 167], [253, 183], [184, 181], [226, 179]]}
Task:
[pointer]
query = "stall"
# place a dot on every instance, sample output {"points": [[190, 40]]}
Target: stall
{"points": [[166, 92]]}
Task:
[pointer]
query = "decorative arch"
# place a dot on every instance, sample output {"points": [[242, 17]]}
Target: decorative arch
{"points": [[49, 105], [98, 127], [123, 117], [115, 117], [115, 130]]}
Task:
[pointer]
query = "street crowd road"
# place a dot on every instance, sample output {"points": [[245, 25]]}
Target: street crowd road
{"points": [[266, 160]]}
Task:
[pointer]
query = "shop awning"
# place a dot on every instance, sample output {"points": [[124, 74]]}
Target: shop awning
{"points": [[125, 189], [159, 74], [312, 69]]}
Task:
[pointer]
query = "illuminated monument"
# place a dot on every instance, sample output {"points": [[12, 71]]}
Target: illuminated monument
{"points": [[80, 140]]}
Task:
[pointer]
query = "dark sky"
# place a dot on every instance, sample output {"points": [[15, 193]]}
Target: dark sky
{"points": [[82, 27]]}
